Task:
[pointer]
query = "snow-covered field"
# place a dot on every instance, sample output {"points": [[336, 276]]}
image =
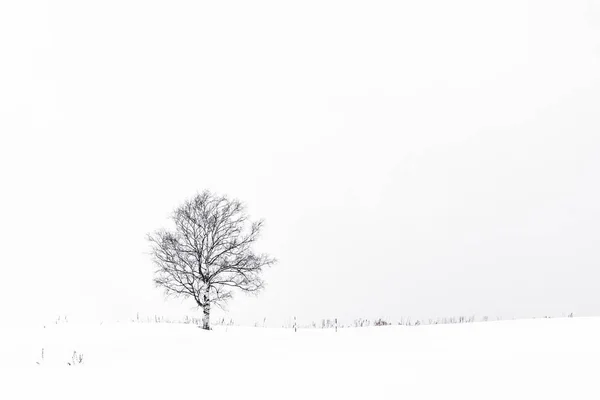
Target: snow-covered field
{"points": [[523, 359]]}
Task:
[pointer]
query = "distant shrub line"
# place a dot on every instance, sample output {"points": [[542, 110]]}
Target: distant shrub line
{"points": [[328, 323]]}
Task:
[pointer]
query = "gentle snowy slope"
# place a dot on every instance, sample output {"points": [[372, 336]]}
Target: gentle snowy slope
{"points": [[527, 359]]}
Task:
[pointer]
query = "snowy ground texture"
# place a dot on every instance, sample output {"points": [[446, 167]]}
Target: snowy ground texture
{"points": [[523, 359]]}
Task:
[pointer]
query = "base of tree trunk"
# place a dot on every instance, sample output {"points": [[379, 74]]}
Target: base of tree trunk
{"points": [[206, 318]]}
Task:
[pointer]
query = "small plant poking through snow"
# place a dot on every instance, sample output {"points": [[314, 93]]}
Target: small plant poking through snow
{"points": [[76, 359], [381, 322], [42, 359]]}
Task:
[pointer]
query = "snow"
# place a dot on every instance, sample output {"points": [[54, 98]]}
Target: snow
{"points": [[521, 359]]}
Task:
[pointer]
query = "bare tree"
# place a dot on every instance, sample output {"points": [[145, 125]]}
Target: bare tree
{"points": [[209, 254]]}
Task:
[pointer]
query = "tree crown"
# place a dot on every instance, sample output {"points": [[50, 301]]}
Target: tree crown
{"points": [[209, 253]]}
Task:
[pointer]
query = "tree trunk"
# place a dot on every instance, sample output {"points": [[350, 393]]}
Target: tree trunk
{"points": [[206, 317], [206, 308]]}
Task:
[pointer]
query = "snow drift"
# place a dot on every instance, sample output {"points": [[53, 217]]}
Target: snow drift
{"points": [[523, 359]]}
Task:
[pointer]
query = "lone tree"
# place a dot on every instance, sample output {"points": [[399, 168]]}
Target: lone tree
{"points": [[209, 254]]}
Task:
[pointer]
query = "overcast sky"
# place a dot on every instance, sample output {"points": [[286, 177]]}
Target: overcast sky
{"points": [[410, 158]]}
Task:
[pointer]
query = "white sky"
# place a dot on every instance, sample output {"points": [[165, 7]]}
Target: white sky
{"points": [[422, 159]]}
